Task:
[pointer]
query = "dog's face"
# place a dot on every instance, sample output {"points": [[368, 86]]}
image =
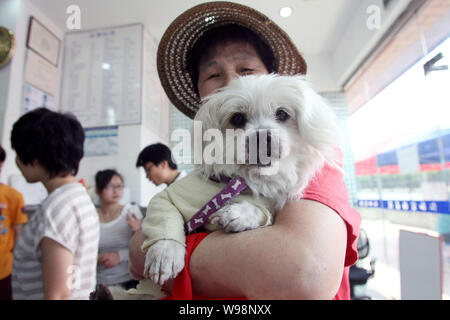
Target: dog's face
{"points": [[265, 126]]}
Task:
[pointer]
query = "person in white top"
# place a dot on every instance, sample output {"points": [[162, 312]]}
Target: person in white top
{"points": [[117, 225], [157, 161], [55, 257]]}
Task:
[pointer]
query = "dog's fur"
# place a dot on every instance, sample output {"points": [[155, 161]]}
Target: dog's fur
{"points": [[305, 139], [308, 139]]}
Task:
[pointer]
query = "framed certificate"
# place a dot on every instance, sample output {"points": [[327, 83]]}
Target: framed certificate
{"points": [[43, 42], [41, 73]]}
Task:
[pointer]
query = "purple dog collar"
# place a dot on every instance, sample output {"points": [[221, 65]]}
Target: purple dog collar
{"points": [[231, 190]]}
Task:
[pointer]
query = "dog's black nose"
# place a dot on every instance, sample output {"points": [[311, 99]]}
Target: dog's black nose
{"points": [[269, 144], [264, 140], [259, 147]]}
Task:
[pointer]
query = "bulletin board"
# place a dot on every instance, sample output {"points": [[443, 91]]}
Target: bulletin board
{"points": [[102, 75]]}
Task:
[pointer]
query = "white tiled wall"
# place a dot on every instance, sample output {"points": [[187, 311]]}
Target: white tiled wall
{"points": [[338, 102], [177, 120]]}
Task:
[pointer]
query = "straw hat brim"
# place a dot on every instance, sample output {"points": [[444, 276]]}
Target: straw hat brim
{"points": [[187, 28]]}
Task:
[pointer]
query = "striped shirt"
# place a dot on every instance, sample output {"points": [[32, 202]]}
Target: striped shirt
{"points": [[68, 217]]}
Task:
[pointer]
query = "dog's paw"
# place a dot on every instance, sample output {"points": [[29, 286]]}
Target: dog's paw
{"points": [[238, 217], [164, 260]]}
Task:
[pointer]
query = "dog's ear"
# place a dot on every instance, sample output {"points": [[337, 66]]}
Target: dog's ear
{"points": [[317, 122], [207, 114], [205, 119]]}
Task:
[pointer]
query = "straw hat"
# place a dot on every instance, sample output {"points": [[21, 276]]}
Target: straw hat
{"points": [[187, 28]]}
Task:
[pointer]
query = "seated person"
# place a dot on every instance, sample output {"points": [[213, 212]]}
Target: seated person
{"points": [[117, 225]]}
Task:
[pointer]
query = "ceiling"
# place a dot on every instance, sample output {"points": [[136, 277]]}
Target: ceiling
{"points": [[315, 25]]}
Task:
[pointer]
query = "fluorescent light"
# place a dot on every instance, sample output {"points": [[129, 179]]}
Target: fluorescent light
{"points": [[106, 66], [285, 12]]}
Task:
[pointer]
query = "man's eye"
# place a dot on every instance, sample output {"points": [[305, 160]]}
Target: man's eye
{"points": [[246, 71], [214, 75]]}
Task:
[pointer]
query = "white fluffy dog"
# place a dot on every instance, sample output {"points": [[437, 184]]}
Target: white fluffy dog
{"points": [[290, 123], [301, 128], [285, 133]]}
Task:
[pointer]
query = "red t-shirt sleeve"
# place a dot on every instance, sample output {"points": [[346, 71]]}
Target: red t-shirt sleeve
{"points": [[328, 187]]}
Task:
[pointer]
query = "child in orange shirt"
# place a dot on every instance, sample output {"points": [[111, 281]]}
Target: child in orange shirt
{"points": [[12, 219]]}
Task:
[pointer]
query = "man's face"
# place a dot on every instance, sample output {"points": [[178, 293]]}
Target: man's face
{"points": [[155, 173], [227, 61]]}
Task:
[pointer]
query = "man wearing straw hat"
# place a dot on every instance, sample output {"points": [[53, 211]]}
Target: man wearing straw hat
{"points": [[307, 253]]}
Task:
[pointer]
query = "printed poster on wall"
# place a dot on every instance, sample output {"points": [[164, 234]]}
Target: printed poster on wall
{"points": [[102, 78], [34, 98], [101, 141]]}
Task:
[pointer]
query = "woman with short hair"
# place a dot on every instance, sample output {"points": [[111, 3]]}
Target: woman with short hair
{"points": [[117, 225]]}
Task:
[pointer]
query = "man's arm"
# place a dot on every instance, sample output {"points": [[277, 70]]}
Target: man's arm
{"points": [[300, 257]]}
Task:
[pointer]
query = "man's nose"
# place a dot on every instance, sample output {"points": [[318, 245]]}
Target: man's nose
{"points": [[229, 76]]}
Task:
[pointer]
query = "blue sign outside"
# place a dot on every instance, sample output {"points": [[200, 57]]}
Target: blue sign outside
{"points": [[441, 207]]}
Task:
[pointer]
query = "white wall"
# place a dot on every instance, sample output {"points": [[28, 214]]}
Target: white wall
{"points": [[155, 113], [132, 138], [9, 10], [358, 40], [123, 162], [19, 12], [320, 73]]}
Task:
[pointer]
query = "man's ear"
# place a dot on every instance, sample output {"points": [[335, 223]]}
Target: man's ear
{"points": [[164, 164]]}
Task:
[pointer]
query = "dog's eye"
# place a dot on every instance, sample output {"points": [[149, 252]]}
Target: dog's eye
{"points": [[281, 115], [238, 120]]}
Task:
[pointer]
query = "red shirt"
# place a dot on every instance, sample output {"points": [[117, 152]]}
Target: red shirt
{"points": [[328, 188]]}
